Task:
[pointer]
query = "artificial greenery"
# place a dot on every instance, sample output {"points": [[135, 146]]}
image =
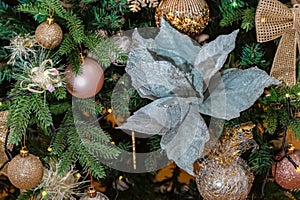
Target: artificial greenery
{"points": [[253, 55], [235, 11], [50, 119], [76, 36]]}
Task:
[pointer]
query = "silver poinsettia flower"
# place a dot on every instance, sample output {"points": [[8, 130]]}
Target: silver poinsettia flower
{"points": [[183, 80]]}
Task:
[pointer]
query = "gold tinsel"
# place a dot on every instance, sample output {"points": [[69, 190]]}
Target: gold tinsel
{"points": [[60, 186], [187, 16], [136, 5], [21, 46], [223, 175]]}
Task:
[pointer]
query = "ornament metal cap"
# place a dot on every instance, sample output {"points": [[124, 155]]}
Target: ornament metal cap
{"points": [[50, 20], [91, 192], [81, 58], [24, 152], [291, 149]]}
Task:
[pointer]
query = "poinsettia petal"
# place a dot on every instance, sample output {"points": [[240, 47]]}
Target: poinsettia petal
{"points": [[185, 144], [213, 55], [157, 117], [235, 92], [156, 79]]}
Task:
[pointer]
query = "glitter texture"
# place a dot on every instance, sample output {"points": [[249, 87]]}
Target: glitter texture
{"points": [[48, 35], [223, 175], [25, 172], [3, 126], [284, 172], [187, 16]]}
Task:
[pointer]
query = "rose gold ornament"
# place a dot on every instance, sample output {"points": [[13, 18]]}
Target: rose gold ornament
{"points": [[285, 173], [48, 34], [88, 82], [25, 171], [187, 16]]}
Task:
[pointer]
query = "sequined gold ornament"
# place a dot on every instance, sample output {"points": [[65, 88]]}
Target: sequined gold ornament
{"points": [[223, 175], [25, 171], [285, 173], [187, 16], [92, 194], [48, 34]]}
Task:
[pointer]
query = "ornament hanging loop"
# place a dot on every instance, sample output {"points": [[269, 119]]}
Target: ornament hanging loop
{"points": [[291, 149], [81, 57], [24, 152], [50, 19]]}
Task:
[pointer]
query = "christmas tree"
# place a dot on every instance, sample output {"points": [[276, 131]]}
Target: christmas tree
{"points": [[156, 99]]}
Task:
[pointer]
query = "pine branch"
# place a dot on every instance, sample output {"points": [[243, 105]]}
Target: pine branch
{"points": [[19, 117], [261, 160], [90, 162], [88, 106], [82, 143], [89, 132], [75, 26], [102, 151], [59, 108], [231, 17], [25, 195], [67, 45], [34, 9], [103, 48], [42, 112], [60, 143], [67, 159], [248, 21], [60, 93]]}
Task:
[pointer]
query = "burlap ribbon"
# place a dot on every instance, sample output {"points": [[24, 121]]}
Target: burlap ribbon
{"points": [[273, 19], [43, 78]]}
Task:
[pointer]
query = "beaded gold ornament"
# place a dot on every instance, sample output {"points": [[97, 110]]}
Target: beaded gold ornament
{"points": [[187, 16]]}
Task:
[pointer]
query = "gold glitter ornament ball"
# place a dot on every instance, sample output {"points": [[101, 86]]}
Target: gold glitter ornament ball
{"points": [[25, 171], [285, 173], [187, 16], [225, 181], [48, 34]]}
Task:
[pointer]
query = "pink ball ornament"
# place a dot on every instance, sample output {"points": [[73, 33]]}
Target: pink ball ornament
{"points": [[88, 82], [285, 173]]}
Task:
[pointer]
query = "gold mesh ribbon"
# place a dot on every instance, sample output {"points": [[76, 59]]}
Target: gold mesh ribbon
{"points": [[273, 19]]}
